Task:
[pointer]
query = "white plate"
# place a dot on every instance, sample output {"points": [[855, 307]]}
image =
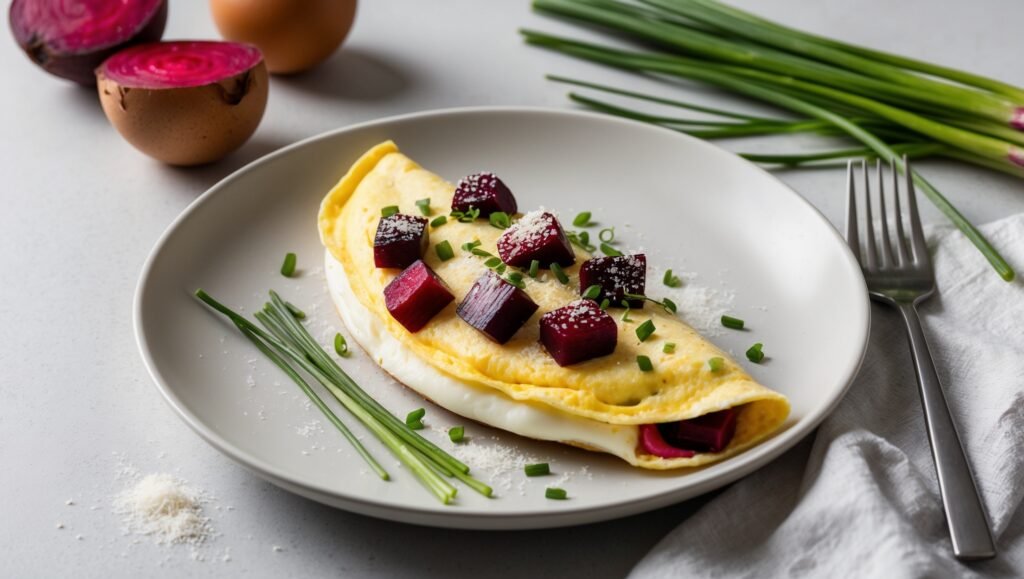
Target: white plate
{"points": [[691, 206]]}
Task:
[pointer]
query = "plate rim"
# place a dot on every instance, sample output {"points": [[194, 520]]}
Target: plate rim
{"points": [[756, 457]]}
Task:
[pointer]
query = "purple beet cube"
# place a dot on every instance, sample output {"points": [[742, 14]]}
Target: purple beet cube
{"points": [[496, 307], [400, 240], [416, 295], [578, 332], [617, 276], [538, 235], [486, 192], [652, 442], [709, 433]]}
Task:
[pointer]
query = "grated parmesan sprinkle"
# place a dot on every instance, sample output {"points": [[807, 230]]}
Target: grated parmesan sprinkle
{"points": [[165, 508]]}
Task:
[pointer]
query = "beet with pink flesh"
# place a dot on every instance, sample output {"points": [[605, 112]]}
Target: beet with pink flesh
{"points": [[416, 295], [70, 39], [400, 240], [708, 433], [486, 192], [617, 276], [578, 332], [537, 236], [651, 442], [496, 307]]}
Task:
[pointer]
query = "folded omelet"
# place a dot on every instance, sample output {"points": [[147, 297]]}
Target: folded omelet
{"points": [[598, 404]]}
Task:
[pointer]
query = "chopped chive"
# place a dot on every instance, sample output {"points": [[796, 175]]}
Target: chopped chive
{"points": [[466, 216], [416, 415], [492, 262], [607, 234], [444, 250], [424, 205], [645, 363], [341, 346], [538, 469], [605, 303], [592, 292], [559, 273], [580, 239], [515, 278], [644, 330], [716, 363], [471, 245], [295, 310], [669, 305], [582, 220], [456, 433], [389, 210], [733, 323], [288, 267], [585, 238], [754, 354], [500, 219], [438, 221], [671, 280], [669, 347], [625, 315], [534, 268], [500, 268], [609, 250], [555, 493]]}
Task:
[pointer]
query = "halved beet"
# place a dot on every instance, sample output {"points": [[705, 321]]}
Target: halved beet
{"points": [[538, 235], [400, 240], [709, 433], [652, 442], [617, 276], [70, 39], [187, 102], [416, 295], [486, 192], [578, 332], [496, 307]]}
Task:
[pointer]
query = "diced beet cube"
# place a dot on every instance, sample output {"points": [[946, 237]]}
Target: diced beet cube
{"points": [[617, 276], [496, 307], [486, 192], [578, 332], [416, 295], [710, 432], [400, 240], [652, 442], [538, 235]]}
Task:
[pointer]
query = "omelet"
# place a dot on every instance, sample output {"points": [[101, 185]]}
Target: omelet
{"points": [[600, 404]]}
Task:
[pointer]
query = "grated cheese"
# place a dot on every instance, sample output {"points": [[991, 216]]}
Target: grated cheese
{"points": [[166, 508]]}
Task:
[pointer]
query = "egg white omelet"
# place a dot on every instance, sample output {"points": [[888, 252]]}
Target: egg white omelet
{"points": [[517, 386]]}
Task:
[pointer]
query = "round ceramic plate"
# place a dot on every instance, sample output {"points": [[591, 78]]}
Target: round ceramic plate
{"points": [[739, 237]]}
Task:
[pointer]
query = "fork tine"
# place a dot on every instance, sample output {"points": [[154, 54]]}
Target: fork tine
{"points": [[916, 233], [871, 253], [885, 256], [852, 230], [901, 239]]}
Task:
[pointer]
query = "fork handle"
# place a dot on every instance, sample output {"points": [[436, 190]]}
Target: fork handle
{"points": [[965, 515]]}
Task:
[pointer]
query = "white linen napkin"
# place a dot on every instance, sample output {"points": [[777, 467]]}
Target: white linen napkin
{"points": [[861, 499]]}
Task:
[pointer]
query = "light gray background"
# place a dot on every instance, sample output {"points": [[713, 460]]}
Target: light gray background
{"points": [[81, 209]]}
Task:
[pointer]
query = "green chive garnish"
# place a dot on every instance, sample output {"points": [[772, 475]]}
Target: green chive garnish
{"points": [[466, 216], [715, 364], [584, 238], [288, 267], [424, 205], [607, 234], [295, 311], [669, 305], [493, 262], [534, 268], [481, 253], [592, 292], [559, 273], [456, 433], [500, 268], [609, 250], [645, 363], [389, 210], [625, 315], [500, 219], [555, 493], [471, 245], [341, 346], [582, 220], [669, 347], [671, 280], [605, 303], [414, 419], [731, 322], [438, 221], [444, 250], [538, 469], [644, 330], [754, 354], [515, 278]]}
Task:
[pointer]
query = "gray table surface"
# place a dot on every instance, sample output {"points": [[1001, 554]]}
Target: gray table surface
{"points": [[81, 210]]}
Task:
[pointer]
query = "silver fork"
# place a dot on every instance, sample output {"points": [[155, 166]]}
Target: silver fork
{"points": [[902, 277]]}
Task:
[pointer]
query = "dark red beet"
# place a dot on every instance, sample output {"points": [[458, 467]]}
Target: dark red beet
{"points": [[400, 240], [617, 276], [578, 332], [416, 295], [496, 307], [486, 192], [652, 442], [709, 433], [70, 39], [538, 235]]}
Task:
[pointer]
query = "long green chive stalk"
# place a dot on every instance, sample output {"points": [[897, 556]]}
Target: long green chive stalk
{"points": [[285, 338]]}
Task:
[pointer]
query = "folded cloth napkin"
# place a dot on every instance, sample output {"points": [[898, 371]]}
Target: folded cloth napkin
{"points": [[861, 498]]}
